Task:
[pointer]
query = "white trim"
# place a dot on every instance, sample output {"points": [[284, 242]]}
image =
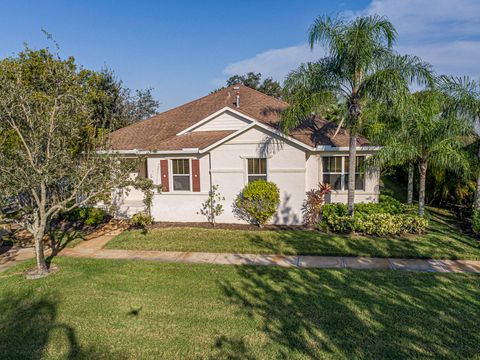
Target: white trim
{"points": [[248, 126], [151, 152], [221, 171], [226, 138], [290, 170], [171, 175], [210, 117], [346, 148]]}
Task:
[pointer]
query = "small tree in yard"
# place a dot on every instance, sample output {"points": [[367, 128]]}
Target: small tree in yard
{"points": [[49, 147], [212, 208], [258, 201]]}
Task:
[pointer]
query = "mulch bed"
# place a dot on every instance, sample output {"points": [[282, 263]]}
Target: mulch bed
{"points": [[206, 225]]}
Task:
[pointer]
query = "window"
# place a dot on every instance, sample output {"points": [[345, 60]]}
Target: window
{"points": [[181, 174], [257, 169], [335, 172]]}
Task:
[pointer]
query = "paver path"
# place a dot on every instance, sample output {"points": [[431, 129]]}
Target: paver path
{"points": [[280, 260], [93, 248]]}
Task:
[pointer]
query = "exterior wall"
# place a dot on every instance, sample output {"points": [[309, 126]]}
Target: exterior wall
{"points": [[224, 121], [285, 167], [291, 168]]}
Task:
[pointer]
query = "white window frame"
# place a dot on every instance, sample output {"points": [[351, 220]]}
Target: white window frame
{"points": [[247, 174], [343, 173], [172, 175]]}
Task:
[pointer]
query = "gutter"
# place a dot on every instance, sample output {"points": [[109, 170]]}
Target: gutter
{"points": [[151, 152], [346, 148]]}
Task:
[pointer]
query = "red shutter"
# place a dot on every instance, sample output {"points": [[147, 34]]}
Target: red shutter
{"points": [[164, 175], [196, 175]]}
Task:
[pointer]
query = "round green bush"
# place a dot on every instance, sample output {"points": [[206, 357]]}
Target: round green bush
{"points": [[259, 201]]}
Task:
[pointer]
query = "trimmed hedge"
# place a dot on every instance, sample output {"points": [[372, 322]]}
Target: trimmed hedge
{"points": [[388, 217]]}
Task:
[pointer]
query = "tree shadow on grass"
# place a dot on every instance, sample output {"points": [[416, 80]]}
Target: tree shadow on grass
{"points": [[27, 325], [355, 314]]}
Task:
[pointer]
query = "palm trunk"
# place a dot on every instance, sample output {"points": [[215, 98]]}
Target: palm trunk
{"points": [[476, 205], [411, 170], [352, 155], [422, 167]]}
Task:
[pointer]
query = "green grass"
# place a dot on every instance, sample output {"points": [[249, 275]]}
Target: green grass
{"points": [[133, 309], [443, 241]]}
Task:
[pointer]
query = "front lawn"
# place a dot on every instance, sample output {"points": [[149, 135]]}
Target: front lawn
{"points": [[444, 240], [133, 309]]}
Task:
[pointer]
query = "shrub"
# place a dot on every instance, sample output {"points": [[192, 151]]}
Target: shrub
{"points": [[91, 216], [212, 207], [376, 224], [258, 201], [141, 220], [312, 206], [476, 222], [334, 209]]}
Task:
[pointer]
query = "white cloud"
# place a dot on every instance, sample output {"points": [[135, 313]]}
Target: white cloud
{"points": [[444, 33], [275, 63]]}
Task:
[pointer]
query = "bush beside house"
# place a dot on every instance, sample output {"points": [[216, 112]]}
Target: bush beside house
{"points": [[258, 201], [388, 217]]}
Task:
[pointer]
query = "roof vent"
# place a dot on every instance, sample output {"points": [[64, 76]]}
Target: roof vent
{"points": [[237, 96]]}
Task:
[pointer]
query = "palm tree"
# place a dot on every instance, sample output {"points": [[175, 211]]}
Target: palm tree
{"points": [[360, 66], [466, 93], [429, 135]]}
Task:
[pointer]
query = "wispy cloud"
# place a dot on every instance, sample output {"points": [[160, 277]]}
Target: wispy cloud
{"points": [[275, 63], [445, 33]]}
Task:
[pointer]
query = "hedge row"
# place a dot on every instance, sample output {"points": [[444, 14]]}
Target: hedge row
{"points": [[388, 217]]}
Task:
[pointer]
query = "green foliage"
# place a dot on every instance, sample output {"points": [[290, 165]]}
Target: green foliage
{"points": [[378, 224], [148, 188], [388, 217], [253, 80], [258, 201], [115, 106], [141, 220], [476, 222], [91, 216], [386, 205], [212, 207]]}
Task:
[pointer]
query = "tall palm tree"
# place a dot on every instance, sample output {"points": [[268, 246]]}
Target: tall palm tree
{"points": [[428, 135], [360, 66], [466, 93]]}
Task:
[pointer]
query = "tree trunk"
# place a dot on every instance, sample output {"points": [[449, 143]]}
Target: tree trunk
{"points": [[39, 253], [411, 170], [422, 167], [476, 205], [352, 157]]}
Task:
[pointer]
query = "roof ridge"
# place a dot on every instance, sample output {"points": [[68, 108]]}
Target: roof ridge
{"points": [[263, 94]]}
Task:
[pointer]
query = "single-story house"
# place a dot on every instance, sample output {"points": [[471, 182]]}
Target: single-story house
{"points": [[229, 138]]}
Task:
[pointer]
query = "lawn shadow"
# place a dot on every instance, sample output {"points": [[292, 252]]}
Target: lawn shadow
{"points": [[29, 322], [354, 314]]}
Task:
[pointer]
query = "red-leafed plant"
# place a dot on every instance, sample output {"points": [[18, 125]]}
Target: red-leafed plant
{"points": [[312, 205]]}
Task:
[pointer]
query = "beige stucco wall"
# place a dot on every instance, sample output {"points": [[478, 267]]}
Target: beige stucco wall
{"points": [[290, 167]]}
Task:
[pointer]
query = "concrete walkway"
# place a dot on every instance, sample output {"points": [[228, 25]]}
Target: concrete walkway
{"points": [[93, 249], [327, 262]]}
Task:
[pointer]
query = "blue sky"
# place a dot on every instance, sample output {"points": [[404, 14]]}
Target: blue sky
{"points": [[184, 49]]}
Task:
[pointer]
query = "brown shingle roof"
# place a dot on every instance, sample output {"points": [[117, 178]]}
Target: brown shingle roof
{"points": [[159, 132]]}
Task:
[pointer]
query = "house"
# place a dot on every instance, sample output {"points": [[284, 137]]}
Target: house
{"points": [[229, 138]]}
